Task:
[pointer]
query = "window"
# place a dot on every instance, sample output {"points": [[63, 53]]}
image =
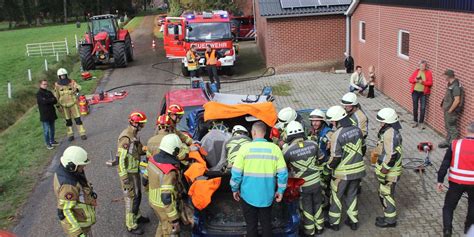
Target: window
{"points": [[362, 31], [404, 44]]}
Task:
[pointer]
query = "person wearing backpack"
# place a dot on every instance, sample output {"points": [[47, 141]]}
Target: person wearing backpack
{"points": [[452, 105]]}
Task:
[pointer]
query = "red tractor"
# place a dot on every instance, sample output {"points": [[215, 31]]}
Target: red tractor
{"points": [[105, 41]]}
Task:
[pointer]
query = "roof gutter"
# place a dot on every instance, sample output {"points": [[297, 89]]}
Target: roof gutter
{"points": [[303, 15], [348, 14], [352, 8]]}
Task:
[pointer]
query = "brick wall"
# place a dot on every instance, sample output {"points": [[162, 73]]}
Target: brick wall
{"points": [[445, 39], [302, 43]]}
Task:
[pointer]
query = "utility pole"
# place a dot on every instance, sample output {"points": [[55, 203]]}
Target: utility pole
{"points": [[65, 11]]}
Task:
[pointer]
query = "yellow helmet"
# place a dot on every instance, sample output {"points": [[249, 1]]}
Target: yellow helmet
{"points": [[73, 157]]}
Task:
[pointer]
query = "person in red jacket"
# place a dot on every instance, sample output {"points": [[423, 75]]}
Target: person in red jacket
{"points": [[421, 81], [459, 159]]}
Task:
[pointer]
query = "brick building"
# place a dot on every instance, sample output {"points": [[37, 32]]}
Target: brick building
{"points": [[296, 37], [394, 35]]}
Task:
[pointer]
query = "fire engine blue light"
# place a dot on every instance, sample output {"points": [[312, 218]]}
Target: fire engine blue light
{"points": [[223, 15], [190, 17]]}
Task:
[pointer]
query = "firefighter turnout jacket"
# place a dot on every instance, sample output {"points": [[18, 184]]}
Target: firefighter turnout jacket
{"points": [[76, 201], [389, 162], [303, 157], [153, 143], [347, 161], [192, 61], [232, 147], [359, 119], [129, 150], [65, 91]]}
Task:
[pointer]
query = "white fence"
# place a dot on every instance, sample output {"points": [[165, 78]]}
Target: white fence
{"points": [[47, 49]]}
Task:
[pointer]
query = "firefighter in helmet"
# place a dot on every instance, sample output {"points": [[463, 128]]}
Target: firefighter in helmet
{"points": [[303, 157], [164, 175], [285, 116], [357, 115], [76, 215], [129, 150], [240, 136], [346, 165], [65, 90], [389, 164], [321, 133], [166, 124]]}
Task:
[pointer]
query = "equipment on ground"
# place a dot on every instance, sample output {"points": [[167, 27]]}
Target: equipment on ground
{"points": [[419, 165], [83, 105], [200, 29], [105, 41]]}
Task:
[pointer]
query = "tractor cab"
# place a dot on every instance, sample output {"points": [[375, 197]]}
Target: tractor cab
{"points": [[104, 23]]}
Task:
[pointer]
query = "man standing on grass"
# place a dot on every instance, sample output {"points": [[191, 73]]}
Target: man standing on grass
{"points": [[259, 175], [46, 102]]}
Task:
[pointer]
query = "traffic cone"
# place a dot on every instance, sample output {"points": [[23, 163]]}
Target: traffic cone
{"points": [[153, 45]]}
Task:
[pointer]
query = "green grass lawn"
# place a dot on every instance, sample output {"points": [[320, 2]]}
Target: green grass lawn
{"points": [[23, 155], [14, 63], [134, 23]]}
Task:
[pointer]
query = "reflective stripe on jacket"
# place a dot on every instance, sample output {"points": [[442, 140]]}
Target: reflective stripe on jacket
{"points": [[259, 164], [346, 147], [211, 58], [462, 163], [390, 158], [302, 156]]}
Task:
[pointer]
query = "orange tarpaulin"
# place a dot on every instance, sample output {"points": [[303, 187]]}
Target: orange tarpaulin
{"points": [[264, 111], [201, 190]]}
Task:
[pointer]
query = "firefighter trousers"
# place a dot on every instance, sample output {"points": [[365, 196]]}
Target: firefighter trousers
{"points": [[66, 226], [343, 191], [312, 211], [133, 198], [71, 113], [165, 228], [386, 195]]}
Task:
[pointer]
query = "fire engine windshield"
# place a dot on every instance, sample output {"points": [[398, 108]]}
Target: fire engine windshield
{"points": [[208, 32]]}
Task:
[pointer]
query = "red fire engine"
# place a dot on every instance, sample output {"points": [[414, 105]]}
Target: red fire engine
{"points": [[200, 29], [243, 27]]}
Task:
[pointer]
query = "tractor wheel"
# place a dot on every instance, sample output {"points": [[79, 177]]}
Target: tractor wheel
{"points": [[129, 48], [120, 54], [184, 70], [229, 71], [87, 61]]}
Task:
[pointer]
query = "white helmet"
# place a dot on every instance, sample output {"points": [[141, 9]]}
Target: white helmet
{"points": [[387, 115], [170, 144], [74, 156], [239, 128], [286, 115], [349, 99], [336, 113], [317, 114], [293, 128], [61, 72]]}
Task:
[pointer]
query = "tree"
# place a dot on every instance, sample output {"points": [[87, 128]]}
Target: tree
{"points": [[12, 12]]}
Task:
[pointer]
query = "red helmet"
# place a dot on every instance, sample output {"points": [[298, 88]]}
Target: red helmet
{"points": [[137, 117], [163, 121], [175, 109]]}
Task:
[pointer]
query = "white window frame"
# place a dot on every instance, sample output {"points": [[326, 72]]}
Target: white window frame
{"points": [[399, 44], [360, 31]]}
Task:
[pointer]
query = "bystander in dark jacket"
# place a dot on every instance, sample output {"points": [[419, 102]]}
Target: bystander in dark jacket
{"points": [[46, 101]]}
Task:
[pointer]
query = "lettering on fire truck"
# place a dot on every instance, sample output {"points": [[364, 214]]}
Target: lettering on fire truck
{"points": [[213, 45]]}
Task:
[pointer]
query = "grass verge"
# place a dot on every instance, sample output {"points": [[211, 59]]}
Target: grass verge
{"points": [[23, 155], [282, 89], [134, 23]]}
